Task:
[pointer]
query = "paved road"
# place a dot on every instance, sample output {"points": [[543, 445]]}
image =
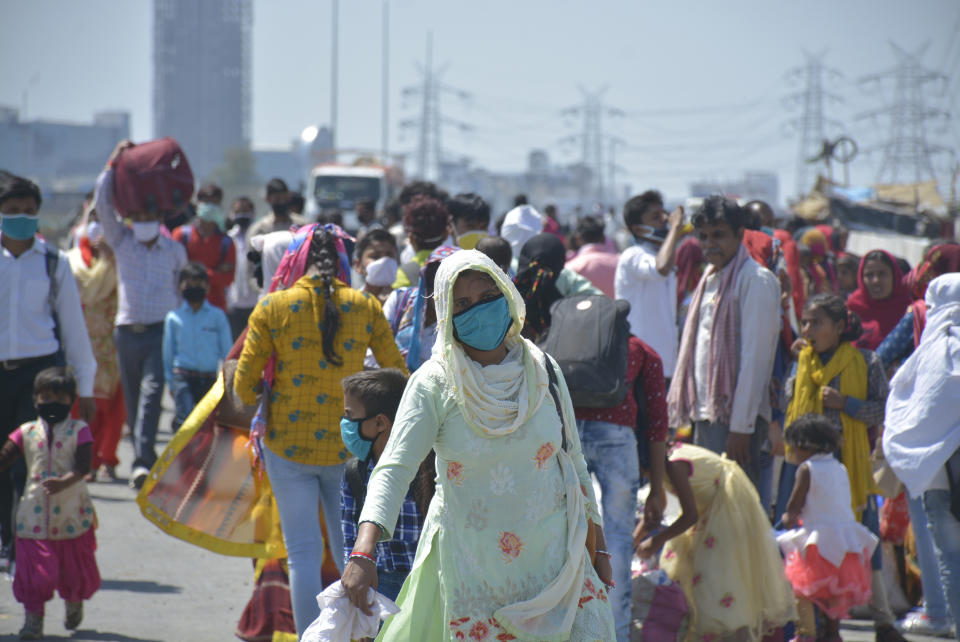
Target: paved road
{"points": [[157, 588]]}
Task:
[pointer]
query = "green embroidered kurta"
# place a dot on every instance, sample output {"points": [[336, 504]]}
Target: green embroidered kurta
{"points": [[506, 524]]}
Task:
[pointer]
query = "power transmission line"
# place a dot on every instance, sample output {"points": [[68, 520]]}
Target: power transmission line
{"points": [[813, 122], [592, 140], [431, 121], [907, 154]]}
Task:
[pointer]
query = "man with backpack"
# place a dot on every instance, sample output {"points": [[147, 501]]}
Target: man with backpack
{"points": [[148, 270], [207, 243], [617, 388], [41, 326]]}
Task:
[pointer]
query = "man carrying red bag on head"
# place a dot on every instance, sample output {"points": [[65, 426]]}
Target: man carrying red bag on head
{"points": [[143, 183]]}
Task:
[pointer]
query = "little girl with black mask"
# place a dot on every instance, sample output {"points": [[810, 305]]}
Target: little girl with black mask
{"points": [[54, 524]]}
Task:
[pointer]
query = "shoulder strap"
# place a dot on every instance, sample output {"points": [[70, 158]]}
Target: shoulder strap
{"points": [[225, 242], [185, 237], [51, 257], [355, 474], [554, 386]]}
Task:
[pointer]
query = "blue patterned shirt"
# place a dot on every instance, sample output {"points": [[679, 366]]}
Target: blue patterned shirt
{"points": [[395, 555], [898, 345]]}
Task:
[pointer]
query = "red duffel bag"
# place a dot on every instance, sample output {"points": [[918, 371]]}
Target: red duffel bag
{"points": [[152, 177]]}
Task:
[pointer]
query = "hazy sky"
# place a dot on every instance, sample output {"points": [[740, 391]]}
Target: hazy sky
{"points": [[703, 83]]}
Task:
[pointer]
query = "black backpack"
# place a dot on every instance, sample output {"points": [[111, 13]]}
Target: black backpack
{"points": [[588, 338]]}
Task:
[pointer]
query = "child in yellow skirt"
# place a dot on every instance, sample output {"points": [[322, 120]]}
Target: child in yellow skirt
{"points": [[721, 549], [827, 550]]}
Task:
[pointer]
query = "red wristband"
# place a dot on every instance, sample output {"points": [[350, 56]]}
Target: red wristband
{"points": [[365, 556]]}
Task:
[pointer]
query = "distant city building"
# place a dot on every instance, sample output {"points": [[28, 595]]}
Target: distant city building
{"points": [[542, 182], [202, 76], [280, 163], [764, 186], [63, 158]]}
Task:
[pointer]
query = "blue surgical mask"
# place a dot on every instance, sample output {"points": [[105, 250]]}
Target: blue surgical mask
{"points": [[355, 442], [483, 326], [21, 227], [212, 214]]}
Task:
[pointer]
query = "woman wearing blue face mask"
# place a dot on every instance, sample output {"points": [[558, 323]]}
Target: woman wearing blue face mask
{"points": [[504, 548]]}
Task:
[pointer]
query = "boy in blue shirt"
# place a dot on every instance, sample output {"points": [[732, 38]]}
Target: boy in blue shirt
{"points": [[196, 338], [370, 402]]}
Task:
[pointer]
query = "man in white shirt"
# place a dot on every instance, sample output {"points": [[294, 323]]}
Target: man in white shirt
{"points": [[729, 342], [41, 324], [148, 272], [243, 293], [645, 275]]}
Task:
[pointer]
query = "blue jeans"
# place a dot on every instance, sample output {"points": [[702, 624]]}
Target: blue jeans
{"points": [[934, 601], [187, 391], [946, 543], [140, 357], [611, 454], [788, 475], [301, 490], [713, 436], [389, 584]]}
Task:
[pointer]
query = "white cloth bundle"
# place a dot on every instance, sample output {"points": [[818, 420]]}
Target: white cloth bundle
{"points": [[341, 621]]}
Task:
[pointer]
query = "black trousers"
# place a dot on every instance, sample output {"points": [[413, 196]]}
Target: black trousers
{"points": [[16, 408]]}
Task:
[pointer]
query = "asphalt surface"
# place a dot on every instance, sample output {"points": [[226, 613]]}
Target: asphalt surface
{"points": [[158, 588]]}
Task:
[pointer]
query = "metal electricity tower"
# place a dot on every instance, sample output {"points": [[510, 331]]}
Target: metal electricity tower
{"points": [[812, 123], [431, 120], [592, 139], [907, 154]]}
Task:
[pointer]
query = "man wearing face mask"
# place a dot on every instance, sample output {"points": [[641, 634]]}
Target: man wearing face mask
{"points": [[280, 218], [645, 275], [41, 324], [243, 293], [207, 243], [148, 270]]}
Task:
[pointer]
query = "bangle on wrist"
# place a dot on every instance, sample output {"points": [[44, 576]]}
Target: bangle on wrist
{"points": [[365, 556], [604, 553]]}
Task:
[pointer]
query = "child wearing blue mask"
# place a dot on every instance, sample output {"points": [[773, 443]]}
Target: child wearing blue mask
{"points": [[370, 402]]}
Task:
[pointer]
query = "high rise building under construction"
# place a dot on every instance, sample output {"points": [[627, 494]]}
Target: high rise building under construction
{"points": [[202, 74]]}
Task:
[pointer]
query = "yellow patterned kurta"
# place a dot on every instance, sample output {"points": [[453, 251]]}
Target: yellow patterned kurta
{"points": [[306, 401], [97, 285]]}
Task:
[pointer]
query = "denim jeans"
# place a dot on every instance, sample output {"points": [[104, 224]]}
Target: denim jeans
{"points": [[611, 454], [140, 356], [301, 491], [187, 391], [946, 543], [389, 584], [713, 436], [788, 474], [934, 601]]}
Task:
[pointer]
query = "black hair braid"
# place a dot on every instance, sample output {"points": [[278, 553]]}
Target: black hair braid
{"points": [[323, 255]]}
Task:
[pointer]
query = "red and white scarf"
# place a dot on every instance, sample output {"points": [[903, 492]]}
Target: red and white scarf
{"points": [[722, 365]]}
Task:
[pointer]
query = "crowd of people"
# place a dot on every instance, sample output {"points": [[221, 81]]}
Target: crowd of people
{"points": [[418, 423]]}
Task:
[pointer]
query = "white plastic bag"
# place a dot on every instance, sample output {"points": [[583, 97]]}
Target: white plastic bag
{"points": [[341, 621]]}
